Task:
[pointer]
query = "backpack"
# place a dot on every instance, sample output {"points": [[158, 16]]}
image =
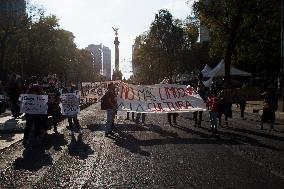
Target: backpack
{"points": [[104, 102]]}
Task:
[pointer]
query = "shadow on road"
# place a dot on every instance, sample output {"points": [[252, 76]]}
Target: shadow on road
{"points": [[33, 159], [55, 140], [265, 135], [78, 147], [8, 137], [129, 142]]}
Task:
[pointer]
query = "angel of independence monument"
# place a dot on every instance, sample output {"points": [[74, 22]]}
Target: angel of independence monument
{"points": [[117, 75]]}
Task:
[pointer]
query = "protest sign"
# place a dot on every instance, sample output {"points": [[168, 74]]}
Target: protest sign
{"points": [[33, 104], [69, 104], [93, 92], [160, 98]]}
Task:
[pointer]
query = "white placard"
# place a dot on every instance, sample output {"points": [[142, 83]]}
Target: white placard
{"points": [[70, 104], [33, 104]]}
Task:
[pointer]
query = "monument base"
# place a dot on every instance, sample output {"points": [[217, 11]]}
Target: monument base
{"points": [[117, 75]]}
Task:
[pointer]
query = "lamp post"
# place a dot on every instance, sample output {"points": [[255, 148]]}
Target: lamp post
{"points": [[282, 56]]}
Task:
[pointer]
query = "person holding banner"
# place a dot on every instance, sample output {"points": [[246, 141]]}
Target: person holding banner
{"points": [[33, 119], [70, 94], [202, 92], [110, 105]]}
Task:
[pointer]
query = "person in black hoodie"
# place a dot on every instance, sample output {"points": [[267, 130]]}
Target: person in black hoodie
{"points": [[53, 103]]}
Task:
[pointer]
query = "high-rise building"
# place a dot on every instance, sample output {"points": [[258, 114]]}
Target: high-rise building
{"points": [[102, 59], [97, 53], [107, 62], [203, 30], [12, 7]]}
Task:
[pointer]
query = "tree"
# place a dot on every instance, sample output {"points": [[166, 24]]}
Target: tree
{"points": [[233, 24]]}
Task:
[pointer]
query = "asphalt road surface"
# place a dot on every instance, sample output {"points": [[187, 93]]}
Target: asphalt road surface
{"points": [[151, 155]]}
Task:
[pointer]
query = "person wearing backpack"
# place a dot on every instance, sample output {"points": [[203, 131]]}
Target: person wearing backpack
{"points": [[108, 103]]}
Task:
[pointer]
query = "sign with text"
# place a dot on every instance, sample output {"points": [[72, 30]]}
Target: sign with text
{"points": [[33, 104], [70, 104], [160, 98], [92, 92]]}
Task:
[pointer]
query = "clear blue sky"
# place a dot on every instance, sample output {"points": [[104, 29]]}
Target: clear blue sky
{"points": [[91, 21]]}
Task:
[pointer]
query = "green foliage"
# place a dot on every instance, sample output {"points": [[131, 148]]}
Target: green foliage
{"points": [[37, 45], [246, 33], [166, 49]]}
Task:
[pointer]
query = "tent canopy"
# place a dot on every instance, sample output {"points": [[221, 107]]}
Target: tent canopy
{"points": [[206, 69], [219, 71]]}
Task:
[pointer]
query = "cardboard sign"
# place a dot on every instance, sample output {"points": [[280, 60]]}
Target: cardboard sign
{"points": [[161, 98], [93, 92], [70, 104], [33, 104]]}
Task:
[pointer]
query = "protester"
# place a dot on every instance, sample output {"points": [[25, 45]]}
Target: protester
{"points": [[174, 116], [33, 120], [212, 104], [170, 115], [242, 106], [14, 92], [73, 121], [198, 114], [270, 105], [128, 115], [109, 104], [53, 103], [225, 107], [2, 90], [143, 117]]}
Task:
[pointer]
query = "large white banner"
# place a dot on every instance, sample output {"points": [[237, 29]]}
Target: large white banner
{"points": [[160, 98], [92, 92], [70, 104], [33, 104]]}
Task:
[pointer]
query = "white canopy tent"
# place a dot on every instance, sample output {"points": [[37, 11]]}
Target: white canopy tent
{"points": [[206, 69], [219, 71]]}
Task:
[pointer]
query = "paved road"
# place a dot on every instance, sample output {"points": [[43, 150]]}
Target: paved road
{"points": [[153, 155]]}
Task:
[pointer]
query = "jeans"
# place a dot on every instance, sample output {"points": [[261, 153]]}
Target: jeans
{"points": [[110, 117], [213, 119]]}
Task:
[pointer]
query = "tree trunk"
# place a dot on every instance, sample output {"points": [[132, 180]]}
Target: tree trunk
{"points": [[231, 46]]}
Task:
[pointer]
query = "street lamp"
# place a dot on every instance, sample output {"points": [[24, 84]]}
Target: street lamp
{"points": [[282, 55]]}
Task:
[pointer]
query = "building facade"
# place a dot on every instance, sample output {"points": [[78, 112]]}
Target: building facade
{"points": [[106, 62], [101, 59], [12, 7]]}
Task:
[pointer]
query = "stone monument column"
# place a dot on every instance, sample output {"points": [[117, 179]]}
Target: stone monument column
{"points": [[117, 75]]}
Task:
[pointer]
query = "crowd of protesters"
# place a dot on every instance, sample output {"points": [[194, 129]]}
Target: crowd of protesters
{"points": [[39, 86], [217, 101]]}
